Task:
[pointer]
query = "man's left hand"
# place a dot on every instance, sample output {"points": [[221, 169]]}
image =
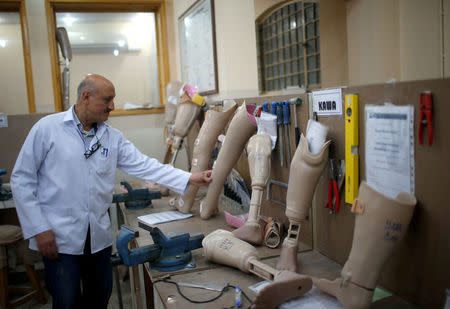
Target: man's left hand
{"points": [[201, 179]]}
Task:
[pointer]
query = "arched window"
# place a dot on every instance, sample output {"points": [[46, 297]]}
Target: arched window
{"points": [[289, 47]]}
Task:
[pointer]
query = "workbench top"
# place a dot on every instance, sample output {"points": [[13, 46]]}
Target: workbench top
{"points": [[166, 295]]}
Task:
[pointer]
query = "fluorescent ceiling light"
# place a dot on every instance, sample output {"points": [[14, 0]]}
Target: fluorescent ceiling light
{"points": [[121, 43], [116, 52], [68, 20], [3, 43]]}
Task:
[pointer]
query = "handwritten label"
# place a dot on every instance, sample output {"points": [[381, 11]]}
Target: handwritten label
{"points": [[226, 244], [392, 230], [328, 101]]}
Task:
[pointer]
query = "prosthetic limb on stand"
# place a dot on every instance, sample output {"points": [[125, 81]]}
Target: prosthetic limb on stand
{"points": [[380, 224], [306, 169], [222, 247], [241, 128], [187, 112], [203, 147], [259, 150]]}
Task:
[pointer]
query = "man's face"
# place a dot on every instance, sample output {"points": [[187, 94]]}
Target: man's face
{"points": [[101, 102]]}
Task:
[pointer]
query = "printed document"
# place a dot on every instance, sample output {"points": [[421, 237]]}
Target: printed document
{"points": [[390, 148], [161, 217]]}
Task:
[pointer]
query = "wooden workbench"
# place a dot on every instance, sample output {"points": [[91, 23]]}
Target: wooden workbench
{"points": [[165, 295], [191, 225]]}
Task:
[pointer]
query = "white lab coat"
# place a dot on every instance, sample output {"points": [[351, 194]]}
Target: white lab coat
{"points": [[55, 187]]}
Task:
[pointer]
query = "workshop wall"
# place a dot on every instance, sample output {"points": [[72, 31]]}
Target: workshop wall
{"points": [[401, 40], [235, 46], [12, 80], [418, 270]]}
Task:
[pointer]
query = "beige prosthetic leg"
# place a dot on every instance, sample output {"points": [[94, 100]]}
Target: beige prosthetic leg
{"points": [[380, 224], [173, 90], [239, 131], [259, 150], [306, 169], [223, 248], [187, 112], [204, 145]]}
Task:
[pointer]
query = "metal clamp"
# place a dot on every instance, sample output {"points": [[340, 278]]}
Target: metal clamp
{"points": [[269, 187]]}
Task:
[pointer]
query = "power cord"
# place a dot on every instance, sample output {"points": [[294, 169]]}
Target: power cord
{"points": [[225, 288]]}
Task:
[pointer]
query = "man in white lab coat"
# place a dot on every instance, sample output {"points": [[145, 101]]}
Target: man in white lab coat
{"points": [[63, 184]]}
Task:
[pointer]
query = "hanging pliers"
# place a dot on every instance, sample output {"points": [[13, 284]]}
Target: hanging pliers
{"points": [[333, 189]]}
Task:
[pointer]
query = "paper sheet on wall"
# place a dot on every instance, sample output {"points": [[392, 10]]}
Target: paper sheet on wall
{"points": [[390, 148]]}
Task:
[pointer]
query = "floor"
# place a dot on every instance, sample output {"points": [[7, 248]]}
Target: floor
{"points": [[113, 301]]}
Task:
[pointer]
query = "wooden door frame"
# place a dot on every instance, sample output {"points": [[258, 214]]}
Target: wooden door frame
{"points": [[19, 6]]}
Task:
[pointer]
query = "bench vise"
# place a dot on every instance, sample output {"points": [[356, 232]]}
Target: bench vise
{"points": [[136, 198], [4, 193], [165, 254]]}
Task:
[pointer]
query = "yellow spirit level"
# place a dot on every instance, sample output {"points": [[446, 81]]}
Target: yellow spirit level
{"points": [[351, 148]]}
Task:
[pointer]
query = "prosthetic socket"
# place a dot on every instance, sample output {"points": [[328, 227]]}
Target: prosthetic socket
{"points": [[223, 248], [239, 131], [259, 152], [380, 224], [187, 112], [203, 147], [173, 92], [306, 169]]}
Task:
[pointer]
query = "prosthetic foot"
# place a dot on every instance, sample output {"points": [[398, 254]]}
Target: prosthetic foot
{"points": [[380, 224], [223, 248], [204, 145], [259, 149], [306, 169], [241, 128]]}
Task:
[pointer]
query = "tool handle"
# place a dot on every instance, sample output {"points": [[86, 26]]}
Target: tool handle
{"points": [[286, 113], [297, 136], [273, 108], [279, 113], [265, 107]]}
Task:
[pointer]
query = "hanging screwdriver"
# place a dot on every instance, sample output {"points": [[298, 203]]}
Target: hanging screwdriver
{"points": [[265, 107], [296, 101], [287, 123], [280, 130]]}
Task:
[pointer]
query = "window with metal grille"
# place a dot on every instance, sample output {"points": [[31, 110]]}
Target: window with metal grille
{"points": [[289, 47]]}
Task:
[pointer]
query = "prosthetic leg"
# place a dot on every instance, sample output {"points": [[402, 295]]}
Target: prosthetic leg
{"points": [[223, 248], [259, 150], [306, 169], [242, 126], [173, 90], [380, 224], [187, 112], [204, 145]]}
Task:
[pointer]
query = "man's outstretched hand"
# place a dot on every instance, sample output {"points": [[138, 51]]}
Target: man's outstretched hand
{"points": [[200, 179]]}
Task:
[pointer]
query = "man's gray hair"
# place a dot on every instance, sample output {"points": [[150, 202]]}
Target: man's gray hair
{"points": [[86, 84]]}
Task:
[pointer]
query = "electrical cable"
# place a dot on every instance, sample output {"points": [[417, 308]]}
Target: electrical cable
{"points": [[225, 288]]}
